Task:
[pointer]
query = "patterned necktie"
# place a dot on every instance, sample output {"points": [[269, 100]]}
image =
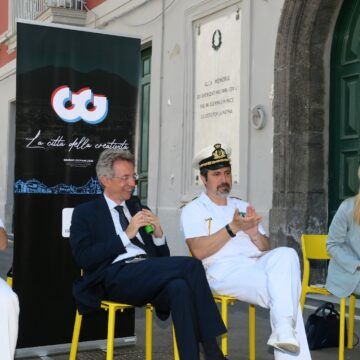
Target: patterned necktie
{"points": [[125, 223]]}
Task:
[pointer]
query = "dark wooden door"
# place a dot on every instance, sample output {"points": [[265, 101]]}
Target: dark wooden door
{"points": [[143, 158], [344, 144]]}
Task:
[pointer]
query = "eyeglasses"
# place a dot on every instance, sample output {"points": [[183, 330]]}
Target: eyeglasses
{"points": [[126, 178]]}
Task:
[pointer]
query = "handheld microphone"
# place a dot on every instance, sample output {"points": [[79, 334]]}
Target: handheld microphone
{"points": [[149, 229]]}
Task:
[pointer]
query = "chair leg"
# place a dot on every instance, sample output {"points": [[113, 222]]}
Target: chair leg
{"points": [[352, 302], [342, 328], [148, 332], [75, 337], [302, 298], [224, 337], [111, 333], [252, 327], [176, 350]]}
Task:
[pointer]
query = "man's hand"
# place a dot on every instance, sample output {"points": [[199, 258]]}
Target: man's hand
{"points": [[3, 239], [143, 218], [248, 224], [137, 221], [153, 220]]}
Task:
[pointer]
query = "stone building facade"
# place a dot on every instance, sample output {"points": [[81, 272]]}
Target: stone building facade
{"points": [[284, 72]]}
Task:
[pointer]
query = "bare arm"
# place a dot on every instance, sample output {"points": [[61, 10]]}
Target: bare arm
{"points": [[260, 241], [204, 246], [3, 239]]}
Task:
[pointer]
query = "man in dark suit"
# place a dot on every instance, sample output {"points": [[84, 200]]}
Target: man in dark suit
{"points": [[123, 263]]}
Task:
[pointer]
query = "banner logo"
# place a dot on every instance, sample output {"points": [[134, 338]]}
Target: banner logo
{"points": [[72, 107]]}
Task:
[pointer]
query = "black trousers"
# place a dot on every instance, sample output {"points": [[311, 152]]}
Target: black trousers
{"points": [[177, 284]]}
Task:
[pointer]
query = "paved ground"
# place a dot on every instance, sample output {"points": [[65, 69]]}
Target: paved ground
{"points": [[238, 340], [162, 340]]}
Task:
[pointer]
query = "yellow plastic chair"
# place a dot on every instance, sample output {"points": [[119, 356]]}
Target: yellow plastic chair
{"points": [[176, 350], [224, 302], [9, 281], [9, 278], [112, 307], [314, 248]]}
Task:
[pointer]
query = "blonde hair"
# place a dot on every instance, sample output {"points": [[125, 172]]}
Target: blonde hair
{"points": [[356, 211]]}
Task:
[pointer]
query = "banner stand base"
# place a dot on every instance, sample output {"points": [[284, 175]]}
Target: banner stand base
{"points": [[43, 351]]}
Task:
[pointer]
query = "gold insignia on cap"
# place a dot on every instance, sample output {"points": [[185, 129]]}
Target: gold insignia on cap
{"points": [[218, 153], [218, 156]]}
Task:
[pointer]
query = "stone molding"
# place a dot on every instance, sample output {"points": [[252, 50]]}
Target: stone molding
{"points": [[300, 108], [64, 16]]}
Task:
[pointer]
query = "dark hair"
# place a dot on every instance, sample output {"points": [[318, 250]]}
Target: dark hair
{"points": [[204, 170]]}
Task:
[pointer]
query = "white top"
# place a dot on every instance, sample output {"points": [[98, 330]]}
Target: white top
{"points": [[202, 217], [2, 224], [131, 249]]}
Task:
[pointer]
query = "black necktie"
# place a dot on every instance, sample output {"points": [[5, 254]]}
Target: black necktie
{"points": [[125, 223]]}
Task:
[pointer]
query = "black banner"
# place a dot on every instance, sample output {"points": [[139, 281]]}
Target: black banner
{"points": [[76, 96]]}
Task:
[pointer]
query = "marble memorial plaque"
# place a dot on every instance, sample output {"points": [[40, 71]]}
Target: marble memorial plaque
{"points": [[217, 82]]}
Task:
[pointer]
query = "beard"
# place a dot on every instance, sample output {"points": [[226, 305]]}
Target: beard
{"points": [[223, 190]]}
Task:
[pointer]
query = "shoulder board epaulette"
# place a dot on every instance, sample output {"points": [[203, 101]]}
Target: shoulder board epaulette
{"points": [[188, 202], [235, 197]]}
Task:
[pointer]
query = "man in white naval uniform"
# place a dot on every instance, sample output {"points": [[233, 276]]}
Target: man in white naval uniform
{"points": [[225, 233]]}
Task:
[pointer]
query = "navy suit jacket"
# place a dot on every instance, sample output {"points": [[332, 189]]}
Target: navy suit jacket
{"points": [[95, 245]]}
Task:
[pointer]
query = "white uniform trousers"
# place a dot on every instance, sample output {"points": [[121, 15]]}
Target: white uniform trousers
{"points": [[9, 317], [271, 281]]}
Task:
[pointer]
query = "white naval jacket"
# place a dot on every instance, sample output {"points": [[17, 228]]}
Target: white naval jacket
{"points": [[202, 217]]}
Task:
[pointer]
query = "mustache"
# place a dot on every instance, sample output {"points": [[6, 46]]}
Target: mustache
{"points": [[224, 185]]}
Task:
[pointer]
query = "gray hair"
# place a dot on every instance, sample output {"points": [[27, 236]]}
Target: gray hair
{"points": [[104, 166]]}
